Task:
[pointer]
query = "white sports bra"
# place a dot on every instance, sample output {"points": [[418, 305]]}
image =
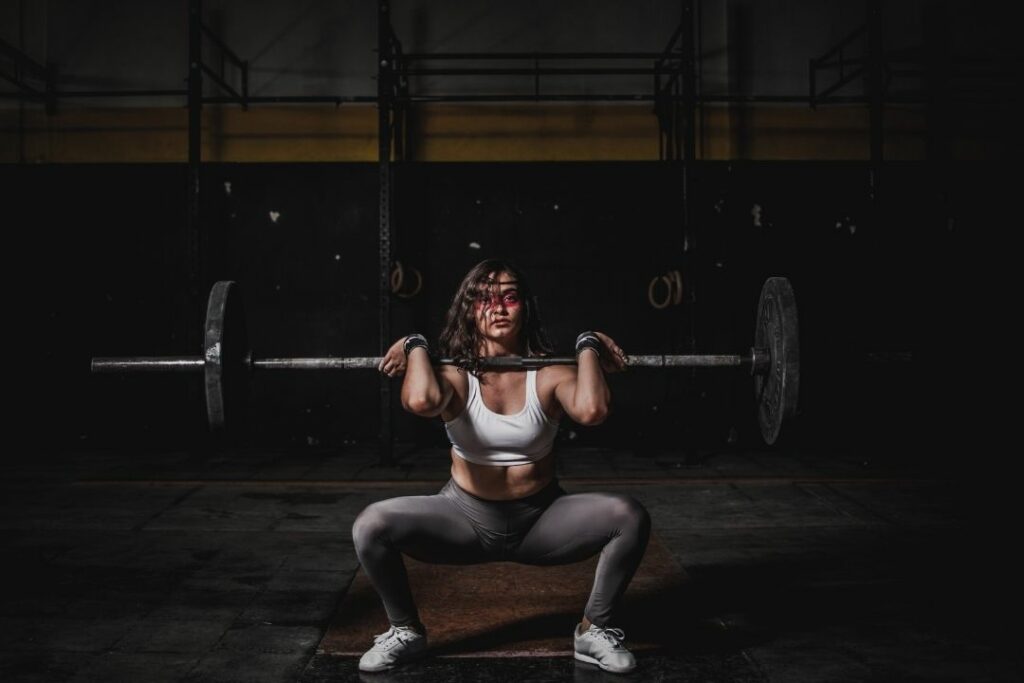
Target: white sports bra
{"points": [[484, 437]]}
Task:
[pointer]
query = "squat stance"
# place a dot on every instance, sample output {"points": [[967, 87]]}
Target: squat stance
{"points": [[503, 501]]}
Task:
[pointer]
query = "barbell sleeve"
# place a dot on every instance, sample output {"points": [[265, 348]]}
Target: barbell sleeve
{"points": [[149, 364]]}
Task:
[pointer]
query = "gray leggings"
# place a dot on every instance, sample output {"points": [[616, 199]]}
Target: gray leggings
{"points": [[549, 527]]}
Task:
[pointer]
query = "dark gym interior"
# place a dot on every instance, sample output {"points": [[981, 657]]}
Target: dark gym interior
{"points": [[649, 166]]}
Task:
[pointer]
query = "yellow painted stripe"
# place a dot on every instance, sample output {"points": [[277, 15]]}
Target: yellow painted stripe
{"points": [[471, 132]]}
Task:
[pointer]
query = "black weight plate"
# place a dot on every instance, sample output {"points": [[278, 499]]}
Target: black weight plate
{"points": [[777, 330], [227, 356]]}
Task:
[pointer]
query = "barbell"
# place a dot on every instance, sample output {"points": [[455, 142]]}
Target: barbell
{"points": [[227, 361]]}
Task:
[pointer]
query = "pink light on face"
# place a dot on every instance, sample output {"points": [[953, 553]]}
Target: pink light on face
{"points": [[509, 299]]}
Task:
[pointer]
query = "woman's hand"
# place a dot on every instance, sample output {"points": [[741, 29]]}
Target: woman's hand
{"points": [[393, 363], [613, 358]]}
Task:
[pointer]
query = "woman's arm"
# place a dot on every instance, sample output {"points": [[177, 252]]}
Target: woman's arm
{"points": [[425, 391], [583, 392]]}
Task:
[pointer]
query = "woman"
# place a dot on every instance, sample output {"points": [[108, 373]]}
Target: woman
{"points": [[503, 502]]}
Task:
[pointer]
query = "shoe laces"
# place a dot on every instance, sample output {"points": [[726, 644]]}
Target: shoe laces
{"points": [[392, 636], [614, 636]]}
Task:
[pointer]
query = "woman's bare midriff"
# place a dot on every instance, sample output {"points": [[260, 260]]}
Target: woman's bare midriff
{"points": [[503, 483], [493, 482]]}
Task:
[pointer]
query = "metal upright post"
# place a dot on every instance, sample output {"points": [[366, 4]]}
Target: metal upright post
{"points": [[938, 65], [192, 312], [193, 230], [245, 85], [875, 86], [689, 96], [385, 68], [689, 82]]}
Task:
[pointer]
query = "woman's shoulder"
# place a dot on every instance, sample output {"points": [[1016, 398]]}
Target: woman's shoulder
{"points": [[454, 375], [555, 368], [555, 374]]}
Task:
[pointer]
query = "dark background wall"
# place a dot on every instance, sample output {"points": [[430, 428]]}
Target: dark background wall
{"points": [[103, 244], [97, 258]]}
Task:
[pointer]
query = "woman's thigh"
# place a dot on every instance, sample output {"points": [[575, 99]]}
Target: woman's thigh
{"points": [[427, 528], [577, 526]]}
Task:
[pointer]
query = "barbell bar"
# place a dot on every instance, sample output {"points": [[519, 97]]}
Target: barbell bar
{"points": [[757, 358], [227, 361]]}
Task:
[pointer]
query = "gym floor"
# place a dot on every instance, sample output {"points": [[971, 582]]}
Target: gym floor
{"points": [[802, 566]]}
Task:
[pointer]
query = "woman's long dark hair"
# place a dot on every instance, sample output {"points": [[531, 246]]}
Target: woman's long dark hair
{"points": [[460, 338]]}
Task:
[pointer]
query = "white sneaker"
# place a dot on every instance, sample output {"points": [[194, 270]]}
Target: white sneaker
{"points": [[603, 646], [397, 645]]}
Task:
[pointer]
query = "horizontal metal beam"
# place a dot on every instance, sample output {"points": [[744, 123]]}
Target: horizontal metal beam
{"points": [[121, 93], [540, 71], [336, 100], [424, 56], [527, 98]]}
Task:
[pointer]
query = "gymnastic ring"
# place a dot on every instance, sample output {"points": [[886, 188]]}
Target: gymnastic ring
{"points": [[417, 288], [677, 297], [650, 291], [397, 276]]}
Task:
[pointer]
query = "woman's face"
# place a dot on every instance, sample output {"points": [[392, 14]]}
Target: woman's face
{"points": [[498, 309]]}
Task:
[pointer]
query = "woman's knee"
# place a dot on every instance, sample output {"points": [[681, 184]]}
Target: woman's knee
{"points": [[371, 524], [629, 512]]}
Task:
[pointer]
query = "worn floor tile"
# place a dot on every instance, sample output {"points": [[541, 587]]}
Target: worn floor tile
{"points": [[224, 666], [173, 637], [42, 667], [127, 667], [271, 638]]}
